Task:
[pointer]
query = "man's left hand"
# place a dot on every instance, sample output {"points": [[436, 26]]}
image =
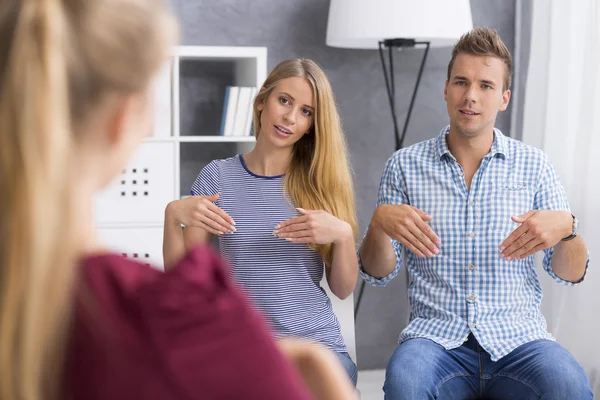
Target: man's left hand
{"points": [[539, 230]]}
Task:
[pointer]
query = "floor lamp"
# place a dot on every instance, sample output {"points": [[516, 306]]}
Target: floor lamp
{"points": [[392, 25]]}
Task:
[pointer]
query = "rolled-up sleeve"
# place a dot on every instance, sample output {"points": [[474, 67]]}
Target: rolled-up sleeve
{"points": [[551, 196], [391, 191]]}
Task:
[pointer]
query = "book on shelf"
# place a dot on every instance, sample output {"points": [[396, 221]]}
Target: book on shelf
{"points": [[248, 126], [229, 110], [236, 119]]}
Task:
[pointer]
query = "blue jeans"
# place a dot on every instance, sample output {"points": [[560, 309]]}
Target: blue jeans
{"points": [[348, 365], [542, 369]]}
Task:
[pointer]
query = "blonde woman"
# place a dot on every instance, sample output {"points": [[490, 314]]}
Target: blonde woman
{"points": [[77, 322], [283, 210]]}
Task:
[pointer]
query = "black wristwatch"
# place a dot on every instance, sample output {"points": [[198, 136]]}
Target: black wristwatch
{"points": [[575, 230]]}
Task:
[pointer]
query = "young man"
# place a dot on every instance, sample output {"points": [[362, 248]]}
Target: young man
{"points": [[471, 208]]}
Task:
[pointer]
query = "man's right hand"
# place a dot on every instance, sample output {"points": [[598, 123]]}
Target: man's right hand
{"points": [[201, 212], [408, 225]]}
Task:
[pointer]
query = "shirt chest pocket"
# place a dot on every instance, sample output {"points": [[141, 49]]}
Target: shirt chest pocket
{"points": [[508, 199]]}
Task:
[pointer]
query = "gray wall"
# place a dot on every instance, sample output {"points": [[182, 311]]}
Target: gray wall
{"points": [[297, 29]]}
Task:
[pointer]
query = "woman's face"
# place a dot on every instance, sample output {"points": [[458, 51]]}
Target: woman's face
{"points": [[288, 112]]}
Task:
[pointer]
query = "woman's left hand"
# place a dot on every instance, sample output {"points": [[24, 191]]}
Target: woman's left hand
{"points": [[314, 227]]}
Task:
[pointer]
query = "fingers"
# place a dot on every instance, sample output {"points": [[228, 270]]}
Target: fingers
{"points": [[210, 217], [303, 236], [423, 239], [421, 236], [307, 240], [428, 236], [300, 226], [415, 240], [219, 211], [298, 229], [514, 236], [210, 225], [217, 214], [214, 197], [412, 230], [295, 234], [300, 232], [415, 246], [292, 221], [422, 214], [534, 250], [222, 223], [521, 218], [519, 247], [421, 223], [519, 253], [419, 240]]}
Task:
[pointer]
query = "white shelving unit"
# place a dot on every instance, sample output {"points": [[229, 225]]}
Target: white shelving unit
{"points": [[250, 69], [130, 212]]}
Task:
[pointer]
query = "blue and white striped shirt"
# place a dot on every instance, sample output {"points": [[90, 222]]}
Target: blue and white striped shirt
{"points": [[468, 288], [282, 278]]}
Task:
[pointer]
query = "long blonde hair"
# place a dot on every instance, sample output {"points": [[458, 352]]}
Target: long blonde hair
{"points": [[319, 176], [58, 60]]}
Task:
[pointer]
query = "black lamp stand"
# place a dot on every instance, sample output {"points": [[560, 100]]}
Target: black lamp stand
{"points": [[388, 73]]}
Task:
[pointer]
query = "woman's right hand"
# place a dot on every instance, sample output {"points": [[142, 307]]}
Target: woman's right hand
{"points": [[201, 212]]}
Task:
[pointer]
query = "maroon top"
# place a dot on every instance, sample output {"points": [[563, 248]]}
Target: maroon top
{"points": [[187, 333]]}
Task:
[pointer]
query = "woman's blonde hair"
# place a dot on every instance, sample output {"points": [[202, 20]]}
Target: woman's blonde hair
{"points": [[59, 59], [319, 176]]}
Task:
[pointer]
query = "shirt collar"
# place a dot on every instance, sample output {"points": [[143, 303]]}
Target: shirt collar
{"points": [[499, 146]]}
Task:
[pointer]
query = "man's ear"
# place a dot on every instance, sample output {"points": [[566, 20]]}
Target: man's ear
{"points": [[446, 91], [505, 100]]}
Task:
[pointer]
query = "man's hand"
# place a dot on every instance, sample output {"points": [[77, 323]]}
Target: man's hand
{"points": [[408, 225], [539, 230]]}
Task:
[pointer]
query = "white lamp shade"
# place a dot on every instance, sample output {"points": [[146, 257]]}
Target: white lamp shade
{"points": [[361, 24]]}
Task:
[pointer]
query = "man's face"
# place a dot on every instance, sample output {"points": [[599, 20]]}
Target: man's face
{"points": [[474, 94]]}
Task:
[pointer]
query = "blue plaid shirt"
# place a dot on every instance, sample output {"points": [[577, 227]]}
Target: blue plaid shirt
{"points": [[467, 288]]}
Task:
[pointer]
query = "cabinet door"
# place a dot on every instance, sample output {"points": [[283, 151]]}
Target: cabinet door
{"points": [[142, 190], [141, 244]]}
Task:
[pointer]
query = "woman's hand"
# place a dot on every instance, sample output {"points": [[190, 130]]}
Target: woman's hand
{"points": [[201, 212], [314, 227]]}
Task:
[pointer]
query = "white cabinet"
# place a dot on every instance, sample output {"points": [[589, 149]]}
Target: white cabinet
{"points": [[143, 244], [139, 194]]}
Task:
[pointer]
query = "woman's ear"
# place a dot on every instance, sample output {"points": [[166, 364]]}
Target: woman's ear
{"points": [[118, 113], [126, 115], [260, 105]]}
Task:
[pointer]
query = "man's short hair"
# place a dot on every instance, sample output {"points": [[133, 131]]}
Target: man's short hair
{"points": [[484, 42]]}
